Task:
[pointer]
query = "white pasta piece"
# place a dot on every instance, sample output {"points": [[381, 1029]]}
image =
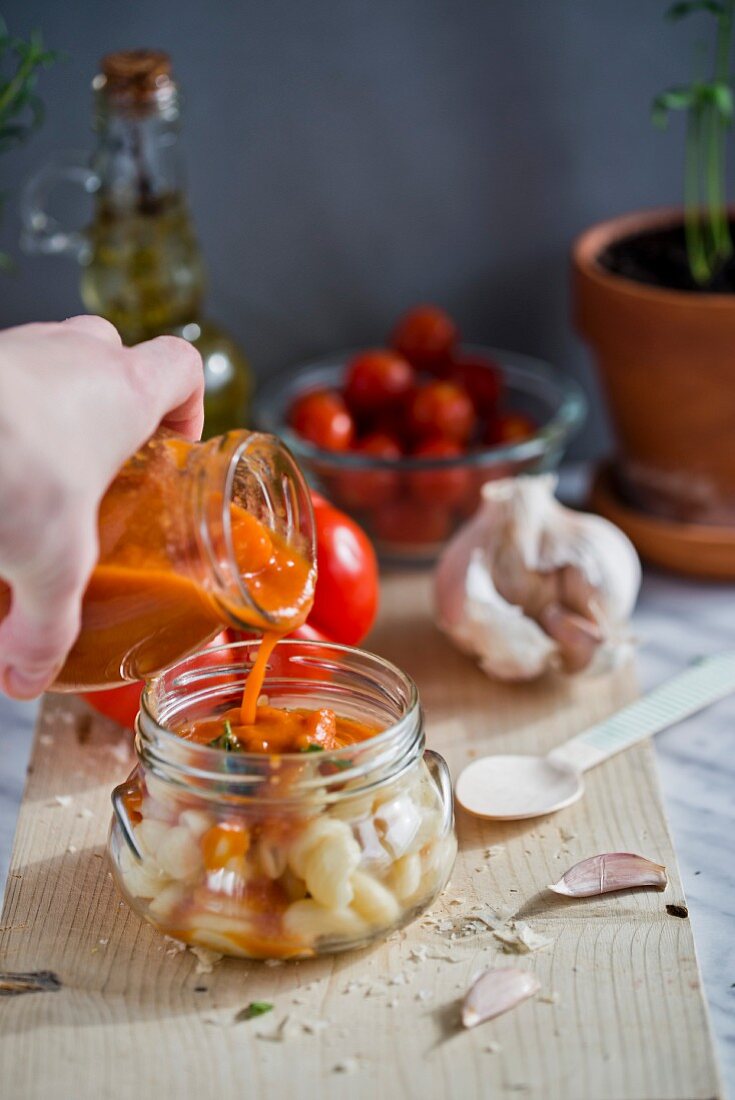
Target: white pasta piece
{"points": [[374, 854], [143, 882], [222, 924], [215, 941], [294, 886], [437, 860], [317, 829], [352, 809], [179, 855], [150, 835], [196, 821], [309, 920], [153, 810], [272, 857], [163, 904], [166, 798], [431, 827], [426, 791], [374, 901], [328, 868], [405, 876], [397, 823]]}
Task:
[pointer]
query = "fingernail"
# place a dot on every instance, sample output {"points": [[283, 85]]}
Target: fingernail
{"points": [[24, 685]]}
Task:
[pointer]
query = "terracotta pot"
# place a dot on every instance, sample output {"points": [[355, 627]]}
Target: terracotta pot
{"points": [[667, 361]]}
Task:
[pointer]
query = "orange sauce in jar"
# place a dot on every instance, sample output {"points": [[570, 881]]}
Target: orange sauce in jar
{"points": [[277, 731], [169, 575]]}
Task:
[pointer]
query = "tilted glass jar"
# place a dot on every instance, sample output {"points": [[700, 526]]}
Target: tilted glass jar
{"points": [[185, 530], [265, 856]]}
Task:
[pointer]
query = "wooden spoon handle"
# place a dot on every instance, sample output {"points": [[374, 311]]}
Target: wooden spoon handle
{"points": [[705, 682]]}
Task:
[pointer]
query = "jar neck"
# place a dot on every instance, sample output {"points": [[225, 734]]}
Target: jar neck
{"points": [[313, 674], [137, 158], [257, 474]]}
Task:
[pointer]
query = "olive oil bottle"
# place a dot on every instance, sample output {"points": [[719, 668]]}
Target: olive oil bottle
{"points": [[141, 264]]}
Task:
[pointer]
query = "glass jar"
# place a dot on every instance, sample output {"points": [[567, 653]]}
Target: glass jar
{"points": [[265, 856], [142, 268], [180, 556]]}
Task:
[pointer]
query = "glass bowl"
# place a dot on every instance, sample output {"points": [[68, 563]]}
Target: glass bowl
{"points": [[410, 507]]}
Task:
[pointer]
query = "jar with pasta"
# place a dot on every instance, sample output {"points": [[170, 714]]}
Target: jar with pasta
{"points": [[322, 826]]}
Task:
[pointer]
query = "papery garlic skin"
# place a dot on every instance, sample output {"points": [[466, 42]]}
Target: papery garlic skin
{"points": [[610, 871], [528, 584]]}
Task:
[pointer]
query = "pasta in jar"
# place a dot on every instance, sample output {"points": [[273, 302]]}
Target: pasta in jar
{"points": [[284, 854]]}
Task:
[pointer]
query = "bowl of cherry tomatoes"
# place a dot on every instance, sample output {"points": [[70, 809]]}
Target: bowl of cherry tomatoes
{"points": [[403, 437]]}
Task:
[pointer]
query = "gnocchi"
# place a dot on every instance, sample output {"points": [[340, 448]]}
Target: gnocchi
{"points": [[262, 885]]}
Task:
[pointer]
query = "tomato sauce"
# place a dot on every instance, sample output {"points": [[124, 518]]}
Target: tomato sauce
{"points": [[151, 598], [274, 730]]}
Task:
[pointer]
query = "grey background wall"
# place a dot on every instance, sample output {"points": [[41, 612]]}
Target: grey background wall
{"points": [[349, 157]]}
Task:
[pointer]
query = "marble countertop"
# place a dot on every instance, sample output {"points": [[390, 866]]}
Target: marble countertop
{"points": [[675, 622]]}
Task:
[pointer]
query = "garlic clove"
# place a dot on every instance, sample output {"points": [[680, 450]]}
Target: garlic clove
{"points": [[577, 637], [495, 992], [610, 871], [578, 593]]}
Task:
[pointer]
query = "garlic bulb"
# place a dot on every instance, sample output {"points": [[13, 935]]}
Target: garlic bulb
{"points": [[528, 584]]}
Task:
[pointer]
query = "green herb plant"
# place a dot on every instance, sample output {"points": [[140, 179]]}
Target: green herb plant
{"points": [[708, 103], [21, 110], [227, 740]]}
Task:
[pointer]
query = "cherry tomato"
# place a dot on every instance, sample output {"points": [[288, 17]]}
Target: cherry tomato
{"points": [[346, 597], [323, 418], [377, 379], [308, 633], [412, 522], [509, 428], [369, 488], [439, 486], [426, 336], [441, 410], [481, 378]]}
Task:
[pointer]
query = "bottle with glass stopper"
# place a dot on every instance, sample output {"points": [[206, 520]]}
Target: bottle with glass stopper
{"points": [[141, 264]]}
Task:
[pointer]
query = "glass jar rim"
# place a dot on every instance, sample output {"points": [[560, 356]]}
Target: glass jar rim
{"points": [[280, 500], [368, 763]]}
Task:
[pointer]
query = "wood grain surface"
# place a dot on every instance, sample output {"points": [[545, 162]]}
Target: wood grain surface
{"points": [[620, 1015]]}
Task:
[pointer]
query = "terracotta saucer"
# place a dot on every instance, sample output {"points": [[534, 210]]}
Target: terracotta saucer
{"points": [[690, 548]]}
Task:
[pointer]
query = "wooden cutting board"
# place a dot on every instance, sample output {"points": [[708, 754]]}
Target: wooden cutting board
{"points": [[620, 1014]]}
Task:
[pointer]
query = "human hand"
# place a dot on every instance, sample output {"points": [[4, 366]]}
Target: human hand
{"points": [[74, 405]]}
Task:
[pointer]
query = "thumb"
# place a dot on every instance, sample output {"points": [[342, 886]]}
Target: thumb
{"points": [[44, 620]]}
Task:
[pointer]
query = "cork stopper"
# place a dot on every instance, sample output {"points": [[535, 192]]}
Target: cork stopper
{"points": [[135, 76]]}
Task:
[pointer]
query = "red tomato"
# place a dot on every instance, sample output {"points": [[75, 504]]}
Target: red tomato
{"points": [[121, 704], [439, 486], [323, 418], [412, 522], [426, 336], [509, 428], [308, 633], [377, 379], [346, 598], [441, 410], [369, 488], [481, 378]]}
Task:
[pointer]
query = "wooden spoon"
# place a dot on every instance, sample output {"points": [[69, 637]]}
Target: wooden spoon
{"points": [[507, 788]]}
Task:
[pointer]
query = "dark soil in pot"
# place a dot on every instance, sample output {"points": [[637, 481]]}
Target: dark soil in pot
{"points": [[658, 257]]}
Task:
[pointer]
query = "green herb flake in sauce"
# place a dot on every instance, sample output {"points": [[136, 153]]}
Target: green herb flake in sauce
{"points": [[226, 740], [313, 747]]}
